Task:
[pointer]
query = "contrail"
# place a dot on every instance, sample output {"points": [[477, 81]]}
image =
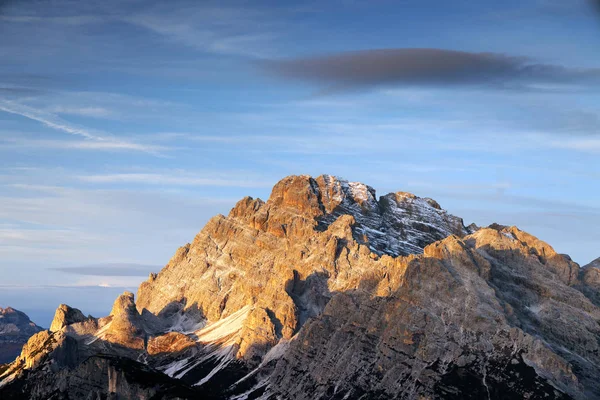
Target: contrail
{"points": [[94, 140]]}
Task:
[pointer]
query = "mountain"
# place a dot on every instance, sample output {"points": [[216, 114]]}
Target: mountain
{"points": [[327, 292], [593, 264], [15, 329], [590, 281]]}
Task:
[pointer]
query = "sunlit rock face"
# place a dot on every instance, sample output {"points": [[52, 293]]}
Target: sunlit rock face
{"points": [[15, 329], [325, 291], [591, 273], [590, 281]]}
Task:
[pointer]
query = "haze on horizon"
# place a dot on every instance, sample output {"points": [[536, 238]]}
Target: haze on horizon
{"points": [[126, 125]]}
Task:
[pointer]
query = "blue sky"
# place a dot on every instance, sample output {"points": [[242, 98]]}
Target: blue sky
{"points": [[126, 125]]}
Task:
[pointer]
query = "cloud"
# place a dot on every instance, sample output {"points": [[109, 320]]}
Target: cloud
{"points": [[99, 211], [95, 139], [17, 92], [95, 112], [219, 30], [368, 69], [43, 238], [106, 105], [17, 142], [546, 8], [48, 119], [64, 20], [29, 287], [50, 224], [174, 178], [29, 85], [587, 145], [112, 269]]}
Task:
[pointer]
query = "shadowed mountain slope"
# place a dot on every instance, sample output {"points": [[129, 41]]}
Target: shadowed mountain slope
{"points": [[15, 329]]}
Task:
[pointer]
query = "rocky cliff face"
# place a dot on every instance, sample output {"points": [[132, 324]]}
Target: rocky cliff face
{"points": [[589, 277], [326, 292], [15, 329]]}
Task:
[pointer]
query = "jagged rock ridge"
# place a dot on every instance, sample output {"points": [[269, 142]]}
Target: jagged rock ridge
{"points": [[325, 292], [15, 329]]}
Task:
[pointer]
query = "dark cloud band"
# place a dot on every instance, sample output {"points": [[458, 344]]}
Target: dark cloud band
{"points": [[435, 67]]}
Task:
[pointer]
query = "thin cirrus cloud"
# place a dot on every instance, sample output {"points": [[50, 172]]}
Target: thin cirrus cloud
{"points": [[589, 145], [18, 92], [108, 145], [212, 28], [111, 269], [93, 140], [95, 112], [172, 178], [49, 120], [367, 69]]}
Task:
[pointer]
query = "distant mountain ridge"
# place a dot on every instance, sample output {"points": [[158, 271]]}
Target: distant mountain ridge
{"points": [[325, 291], [15, 330]]}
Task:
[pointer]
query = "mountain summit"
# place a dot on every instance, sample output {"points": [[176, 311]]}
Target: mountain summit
{"points": [[15, 329], [325, 291]]}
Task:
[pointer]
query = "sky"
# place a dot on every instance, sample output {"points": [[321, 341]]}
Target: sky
{"points": [[125, 125]]}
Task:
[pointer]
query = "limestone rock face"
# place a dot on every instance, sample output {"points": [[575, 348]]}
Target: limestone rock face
{"points": [[65, 316], [469, 312], [590, 281], [591, 274], [15, 329], [243, 259], [126, 326], [49, 351], [169, 343], [325, 291]]}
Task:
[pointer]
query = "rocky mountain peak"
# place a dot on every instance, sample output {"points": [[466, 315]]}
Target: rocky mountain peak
{"points": [[396, 224], [15, 329], [591, 273], [16, 322], [126, 326], [326, 291], [124, 306], [9, 315], [65, 316], [320, 196], [594, 264]]}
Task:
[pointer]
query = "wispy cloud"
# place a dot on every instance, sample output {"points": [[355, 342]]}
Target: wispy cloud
{"points": [[107, 105], [62, 20], [100, 209], [47, 224], [19, 92], [47, 119], [19, 142], [220, 30], [588, 145], [74, 286], [43, 237], [174, 178], [95, 112], [111, 269], [368, 69], [94, 139]]}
